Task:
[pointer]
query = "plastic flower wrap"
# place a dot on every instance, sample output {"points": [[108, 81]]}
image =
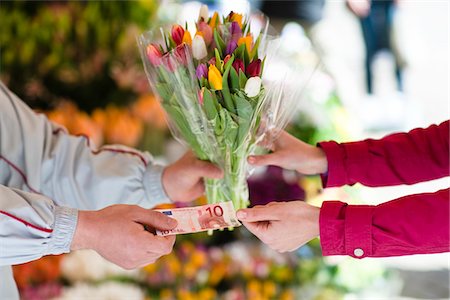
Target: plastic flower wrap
{"points": [[213, 85]]}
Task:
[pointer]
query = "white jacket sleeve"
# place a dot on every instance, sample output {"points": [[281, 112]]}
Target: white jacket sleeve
{"points": [[47, 175]]}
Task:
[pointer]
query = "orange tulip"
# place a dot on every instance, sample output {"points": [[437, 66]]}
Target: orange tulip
{"points": [[248, 40]]}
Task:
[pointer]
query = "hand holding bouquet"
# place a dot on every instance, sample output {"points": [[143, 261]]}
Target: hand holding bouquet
{"points": [[210, 83]]}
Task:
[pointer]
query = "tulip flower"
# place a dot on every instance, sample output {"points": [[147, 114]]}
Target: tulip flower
{"points": [[199, 47], [212, 61], [214, 20], [247, 41], [177, 34], [238, 64], [202, 71], [200, 95], [180, 54], [236, 31], [187, 39], [154, 55], [253, 86], [232, 45], [204, 13], [214, 78], [234, 17], [205, 31], [226, 59], [254, 68]]}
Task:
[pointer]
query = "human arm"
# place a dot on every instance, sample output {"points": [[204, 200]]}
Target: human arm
{"points": [[62, 172], [400, 158], [39, 156], [33, 226], [414, 224]]}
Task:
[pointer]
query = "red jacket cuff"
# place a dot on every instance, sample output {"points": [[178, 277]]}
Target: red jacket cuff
{"points": [[346, 161], [346, 229], [336, 174]]}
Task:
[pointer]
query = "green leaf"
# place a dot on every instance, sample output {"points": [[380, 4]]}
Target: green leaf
{"points": [[242, 79], [245, 111], [220, 125], [208, 105], [182, 125], [262, 64], [240, 52], [234, 79], [163, 91], [225, 89], [219, 64], [219, 42], [230, 126], [254, 52]]}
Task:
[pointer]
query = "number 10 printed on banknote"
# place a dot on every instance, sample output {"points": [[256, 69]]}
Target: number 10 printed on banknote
{"points": [[201, 218]]}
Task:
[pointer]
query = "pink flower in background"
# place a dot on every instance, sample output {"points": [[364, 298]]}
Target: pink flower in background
{"points": [[205, 31]]}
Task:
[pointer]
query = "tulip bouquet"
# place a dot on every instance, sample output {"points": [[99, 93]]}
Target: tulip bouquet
{"points": [[210, 83]]}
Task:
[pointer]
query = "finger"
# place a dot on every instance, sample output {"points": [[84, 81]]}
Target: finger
{"points": [[255, 214], [264, 160], [207, 169], [160, 245], [155, 219]]}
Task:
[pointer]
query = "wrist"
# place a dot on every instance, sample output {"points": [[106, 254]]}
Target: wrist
{"points": [[322, 162], [314, 218], [84, 236]]}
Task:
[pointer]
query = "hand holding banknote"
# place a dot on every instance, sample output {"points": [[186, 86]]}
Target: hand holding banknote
{"points": [[201, 218], [283, 226]]}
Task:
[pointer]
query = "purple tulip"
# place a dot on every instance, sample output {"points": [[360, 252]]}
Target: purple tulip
{"points": [[232, 45], [236, 31], [254, 68], [202, 71], [238, 64]]}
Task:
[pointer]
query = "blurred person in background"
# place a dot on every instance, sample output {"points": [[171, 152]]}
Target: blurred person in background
{"points": [[376, 19], [414, 224], [307, 12], [57, 194]]}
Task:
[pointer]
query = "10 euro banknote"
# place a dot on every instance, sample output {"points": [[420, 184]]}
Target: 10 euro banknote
{"points": [[201, 218]]}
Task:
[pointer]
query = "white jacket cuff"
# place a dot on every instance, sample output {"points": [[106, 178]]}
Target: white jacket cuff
{"points": [[153, 186], [63, 230]]}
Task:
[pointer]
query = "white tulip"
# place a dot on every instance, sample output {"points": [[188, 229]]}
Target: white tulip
{"points": [[253, 86], [199, 47], [203, 13]]}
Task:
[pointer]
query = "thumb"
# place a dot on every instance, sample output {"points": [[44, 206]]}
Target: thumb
{"points": [[156, 219], [256, 214], [264, 160]]}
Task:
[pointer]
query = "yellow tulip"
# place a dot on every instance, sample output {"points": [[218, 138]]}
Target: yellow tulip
{"points": [[187, 38], [215, 78]]}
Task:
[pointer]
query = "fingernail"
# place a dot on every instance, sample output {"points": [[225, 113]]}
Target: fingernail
{"points": [[241, 214]]}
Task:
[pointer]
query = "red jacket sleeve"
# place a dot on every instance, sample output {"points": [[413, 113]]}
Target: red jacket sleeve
{"points": [[401, 158], [414, 224]]}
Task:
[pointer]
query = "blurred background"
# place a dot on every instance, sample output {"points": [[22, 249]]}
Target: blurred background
{"points": [[382, 67]]}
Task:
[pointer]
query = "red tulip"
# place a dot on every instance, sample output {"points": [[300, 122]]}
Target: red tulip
{"points": [[254, 68], [177, 34], [238, 64], [154, 55]]}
